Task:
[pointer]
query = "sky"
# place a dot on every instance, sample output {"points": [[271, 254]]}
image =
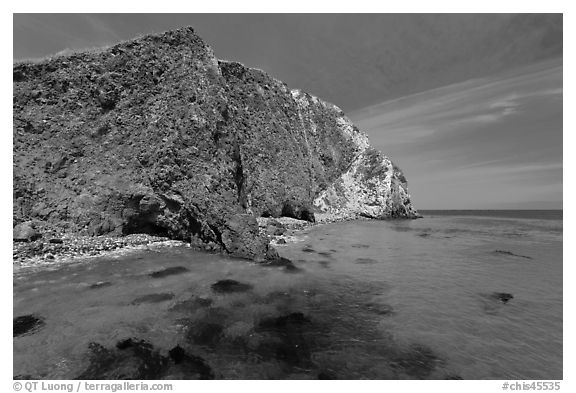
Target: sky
{"points": [[489, 143], [468, 105]]}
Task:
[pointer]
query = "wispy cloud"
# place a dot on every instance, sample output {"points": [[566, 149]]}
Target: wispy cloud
{"points": [[101, 27], [504, 133]]}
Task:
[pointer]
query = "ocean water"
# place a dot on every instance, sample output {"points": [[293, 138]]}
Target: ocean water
{"points": [[410, 299]]}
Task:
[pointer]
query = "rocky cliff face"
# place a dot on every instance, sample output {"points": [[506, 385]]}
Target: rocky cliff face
{"points": [[372, 187], [157, 136]]}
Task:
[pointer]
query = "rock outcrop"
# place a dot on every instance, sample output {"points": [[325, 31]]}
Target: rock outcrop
{"points": [[157, 136], [372, 187]]}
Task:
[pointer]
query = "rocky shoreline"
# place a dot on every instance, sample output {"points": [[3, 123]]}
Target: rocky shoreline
{"points": [[43, 251], [39, 251]]}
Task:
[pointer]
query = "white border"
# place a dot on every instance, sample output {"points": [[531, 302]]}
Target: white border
{"points": [[300, 6]]}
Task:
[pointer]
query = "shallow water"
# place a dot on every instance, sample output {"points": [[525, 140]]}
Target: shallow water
{"points": [[371, 300]]}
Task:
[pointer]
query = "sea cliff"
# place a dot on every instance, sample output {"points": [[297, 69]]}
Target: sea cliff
{"points": [[157, 136]]}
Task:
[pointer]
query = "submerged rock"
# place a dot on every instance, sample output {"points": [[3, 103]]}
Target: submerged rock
{"points": [[509, 253], [358, 245], [153, 298], [366, 261], [287, 264], [170, 271], [495, 302], [380, 309], [230, 286], [207, 327], [502, 296], [417, 361], [136, 359], [100, 284], [325, 264], [192, 304], [285, 339], [295, 318], [140, 345], [190, 363], [205, 333], [140, 362], [27, 324]]}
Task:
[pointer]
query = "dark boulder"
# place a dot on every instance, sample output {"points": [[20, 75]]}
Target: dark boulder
{"points": [[25, 232], [240, 237]]}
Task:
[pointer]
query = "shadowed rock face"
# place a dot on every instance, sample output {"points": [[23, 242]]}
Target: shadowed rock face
{"points": [[157, 136]]}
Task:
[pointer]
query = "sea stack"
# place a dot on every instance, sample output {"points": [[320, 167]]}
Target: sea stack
{"points": [[158, 136]]}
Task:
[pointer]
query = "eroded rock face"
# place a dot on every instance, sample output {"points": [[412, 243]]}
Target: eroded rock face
{"points": [[157, 136], [372, 187]]}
